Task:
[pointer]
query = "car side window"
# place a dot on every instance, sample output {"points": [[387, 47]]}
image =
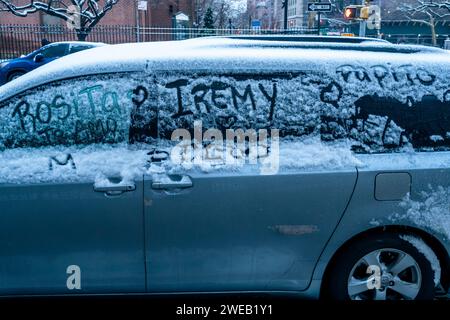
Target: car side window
{"points": [[54, 51], [229, 101], [92, 109], [371, 107], [382, 108], [387, 124]]}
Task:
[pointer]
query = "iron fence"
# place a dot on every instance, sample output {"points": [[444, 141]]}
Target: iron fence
{"points": [[417, 39], [16, 40]]}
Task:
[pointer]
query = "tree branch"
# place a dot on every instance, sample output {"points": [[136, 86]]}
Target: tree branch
{"points": [[90, 15]]}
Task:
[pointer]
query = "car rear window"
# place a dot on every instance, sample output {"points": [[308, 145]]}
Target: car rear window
{"points": [[78, 47]]}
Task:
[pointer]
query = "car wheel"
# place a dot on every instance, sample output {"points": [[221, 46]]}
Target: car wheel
{"points": [[383, 267], [15, 75]]}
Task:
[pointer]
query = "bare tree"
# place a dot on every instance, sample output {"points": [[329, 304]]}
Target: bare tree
{"points": [[223, 11], [81, 15], [428, 13]]}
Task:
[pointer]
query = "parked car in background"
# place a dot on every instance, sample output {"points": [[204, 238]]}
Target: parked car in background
{"points": [[350, 198], [12, 69]]}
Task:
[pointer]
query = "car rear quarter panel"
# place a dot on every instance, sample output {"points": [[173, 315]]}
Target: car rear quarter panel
{"points": [[428, 173]]}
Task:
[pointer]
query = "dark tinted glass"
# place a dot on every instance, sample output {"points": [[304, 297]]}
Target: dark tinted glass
{"points": [[54, 51], [78, 48], [94, 109]]}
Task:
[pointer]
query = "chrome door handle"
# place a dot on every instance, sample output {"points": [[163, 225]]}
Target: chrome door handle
{"points": [[115, 188], [172, 182]]}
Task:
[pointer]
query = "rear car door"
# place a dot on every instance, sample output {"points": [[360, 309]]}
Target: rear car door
{"points": [[70, 222]]}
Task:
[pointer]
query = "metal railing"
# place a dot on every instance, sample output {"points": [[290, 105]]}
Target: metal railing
{"points": [[16, 40], [416, 39]]}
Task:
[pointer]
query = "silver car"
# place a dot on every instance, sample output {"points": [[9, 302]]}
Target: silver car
{"points": [[310, 166]]}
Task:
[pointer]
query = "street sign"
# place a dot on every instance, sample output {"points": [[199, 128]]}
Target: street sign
{"points": [[256, 24], [319, 6], [142, 5]]}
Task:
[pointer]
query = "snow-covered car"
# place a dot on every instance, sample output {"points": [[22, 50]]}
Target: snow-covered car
{"points": [[311, 166]]}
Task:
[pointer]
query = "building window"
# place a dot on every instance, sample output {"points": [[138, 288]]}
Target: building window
{"points": [[47, 19], [292, 8]]}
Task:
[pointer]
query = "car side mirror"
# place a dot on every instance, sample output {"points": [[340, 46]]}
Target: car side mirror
{"points": [[38, 58]]}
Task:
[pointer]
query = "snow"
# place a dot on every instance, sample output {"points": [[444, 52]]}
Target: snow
{"points": [[97, 108], [429, 254], [215, 54], [436, 138], [98, 162], [218, 82], [94, 163], [431, 210], [320, 85], [83, 111], [405, 159]]}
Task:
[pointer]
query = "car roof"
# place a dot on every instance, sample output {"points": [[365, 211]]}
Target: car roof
{"points": [[226, 54], [307, 38], [77, 42]]}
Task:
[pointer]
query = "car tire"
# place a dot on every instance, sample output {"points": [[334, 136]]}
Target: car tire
{"points": [[351, 268], [15, 74]]}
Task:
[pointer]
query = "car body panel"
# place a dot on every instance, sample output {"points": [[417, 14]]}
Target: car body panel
{"points": [[46, 228], [250, 232], [428, 171]]}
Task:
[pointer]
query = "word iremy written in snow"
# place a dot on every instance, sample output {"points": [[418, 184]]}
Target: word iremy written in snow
{"points": [[218, 94]]}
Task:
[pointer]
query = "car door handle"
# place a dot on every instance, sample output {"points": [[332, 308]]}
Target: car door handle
{"points": [[119, 188], [172, 182]]}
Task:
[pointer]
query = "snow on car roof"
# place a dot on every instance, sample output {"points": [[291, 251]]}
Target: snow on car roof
{"points": [[223, 54], [78, 42]]}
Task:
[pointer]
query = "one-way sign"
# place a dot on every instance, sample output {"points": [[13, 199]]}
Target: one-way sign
{"points": [[319, 6]]}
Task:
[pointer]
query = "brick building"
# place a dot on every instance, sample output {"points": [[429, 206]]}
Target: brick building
{"points": [[159, 13], [266, 12]]}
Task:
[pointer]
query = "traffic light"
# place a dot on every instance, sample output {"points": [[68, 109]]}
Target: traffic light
{"points": [[357, 12], [351, 12], [364, 13]]}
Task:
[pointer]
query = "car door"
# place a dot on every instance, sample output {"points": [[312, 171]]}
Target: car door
{"points": [[69, 222], [236, 228], [240, 232]]}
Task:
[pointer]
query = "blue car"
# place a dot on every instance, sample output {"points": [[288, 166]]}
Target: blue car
{"points": [[12, 69]]}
